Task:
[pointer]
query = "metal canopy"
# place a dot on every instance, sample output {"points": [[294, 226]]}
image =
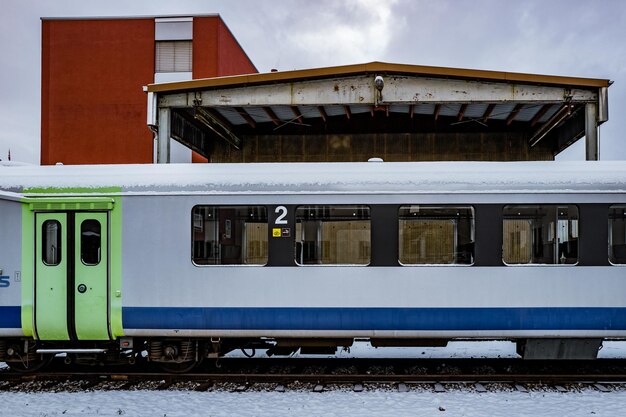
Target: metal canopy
{"points": [[406, 99]]}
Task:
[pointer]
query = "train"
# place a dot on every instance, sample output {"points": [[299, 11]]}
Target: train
{"points": [[178, 263]]}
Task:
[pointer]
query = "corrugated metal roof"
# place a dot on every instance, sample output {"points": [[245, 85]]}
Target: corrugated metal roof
{"points": [[502, 111], [526, 113], [309, 111], [231, 115], [449, 109], [549, 113], [283, 112], [424, 109], [476, 110]]}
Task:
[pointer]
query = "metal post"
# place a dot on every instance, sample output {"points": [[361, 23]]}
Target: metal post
{"points": [[163, 139], [603, 104], [591, 132]]}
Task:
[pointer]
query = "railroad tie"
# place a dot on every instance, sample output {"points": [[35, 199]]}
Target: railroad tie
{"points": [[128, 385], [480, 387], [520, 388], [203, 387], [164, 385], [90, 384], [601, 388], [10, 385], [242, 388]]}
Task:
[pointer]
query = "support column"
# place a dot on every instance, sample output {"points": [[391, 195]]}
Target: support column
{"points": [[163, 138], [591, 132]]}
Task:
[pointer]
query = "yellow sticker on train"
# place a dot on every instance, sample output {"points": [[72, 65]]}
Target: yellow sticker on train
{"points": [[276, 232]]}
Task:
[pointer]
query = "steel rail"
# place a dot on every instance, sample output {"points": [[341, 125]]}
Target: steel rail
{"points": [[316, 378]]}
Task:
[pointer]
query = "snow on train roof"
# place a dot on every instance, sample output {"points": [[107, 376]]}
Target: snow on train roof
{"points": [[348, 178]]}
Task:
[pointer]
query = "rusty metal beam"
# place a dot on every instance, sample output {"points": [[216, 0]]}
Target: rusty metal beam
{"points": [[215, 115], [568, 131], [488, 112], [218, 125], [462, 111], [437, 110], [272, 115], [374, 109], [514, 113], [322, 113], [553, 122], [243, 113], [296, 112], [540, 114]]}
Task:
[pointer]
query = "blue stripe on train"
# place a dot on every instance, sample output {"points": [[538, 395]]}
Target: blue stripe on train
{"points": [[10, 317], [376, 318]]}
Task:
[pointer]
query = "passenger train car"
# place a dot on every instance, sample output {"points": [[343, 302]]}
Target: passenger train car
{"points": [[176, 263]]}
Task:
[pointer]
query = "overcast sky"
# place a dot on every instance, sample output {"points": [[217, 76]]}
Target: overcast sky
{"points": [[565, 37]]}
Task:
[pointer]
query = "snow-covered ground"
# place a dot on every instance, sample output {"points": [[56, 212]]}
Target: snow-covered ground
{"points": [[418, 401], [457, 402]]}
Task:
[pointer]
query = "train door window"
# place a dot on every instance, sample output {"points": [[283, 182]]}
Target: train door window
{"points": [[333, 235], [617, 234], [229, 235], [51, 242], [540, 234], [436, 235], [90, 242]]}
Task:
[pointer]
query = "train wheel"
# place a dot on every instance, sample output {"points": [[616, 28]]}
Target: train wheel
{"points": [[178, 368], [30, 364]]}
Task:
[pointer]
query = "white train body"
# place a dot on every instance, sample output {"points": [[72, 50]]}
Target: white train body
{"points": [[156, 291]]}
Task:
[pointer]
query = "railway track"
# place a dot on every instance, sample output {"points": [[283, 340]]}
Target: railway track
{"points": [[236, 374]]}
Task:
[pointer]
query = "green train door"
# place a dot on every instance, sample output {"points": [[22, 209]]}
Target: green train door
{"points": [[72, 276], [51, 272]]}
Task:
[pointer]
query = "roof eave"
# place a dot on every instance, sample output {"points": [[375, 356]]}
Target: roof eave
{"points": [[375, 67]]}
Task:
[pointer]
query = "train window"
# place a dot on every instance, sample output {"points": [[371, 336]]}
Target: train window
{"points": [[540, 234], [436, 235], [51, 242], [90, 242], [229, 235], [617, 234], [333, 235]]}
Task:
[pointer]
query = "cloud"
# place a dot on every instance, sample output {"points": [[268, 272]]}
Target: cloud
{"points": [[335, 33]]}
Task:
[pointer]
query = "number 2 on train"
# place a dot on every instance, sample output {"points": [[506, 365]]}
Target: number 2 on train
{"points": [[281, 217]]}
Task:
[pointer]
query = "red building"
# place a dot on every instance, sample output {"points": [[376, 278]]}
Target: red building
{"points": [[93, 108]]}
